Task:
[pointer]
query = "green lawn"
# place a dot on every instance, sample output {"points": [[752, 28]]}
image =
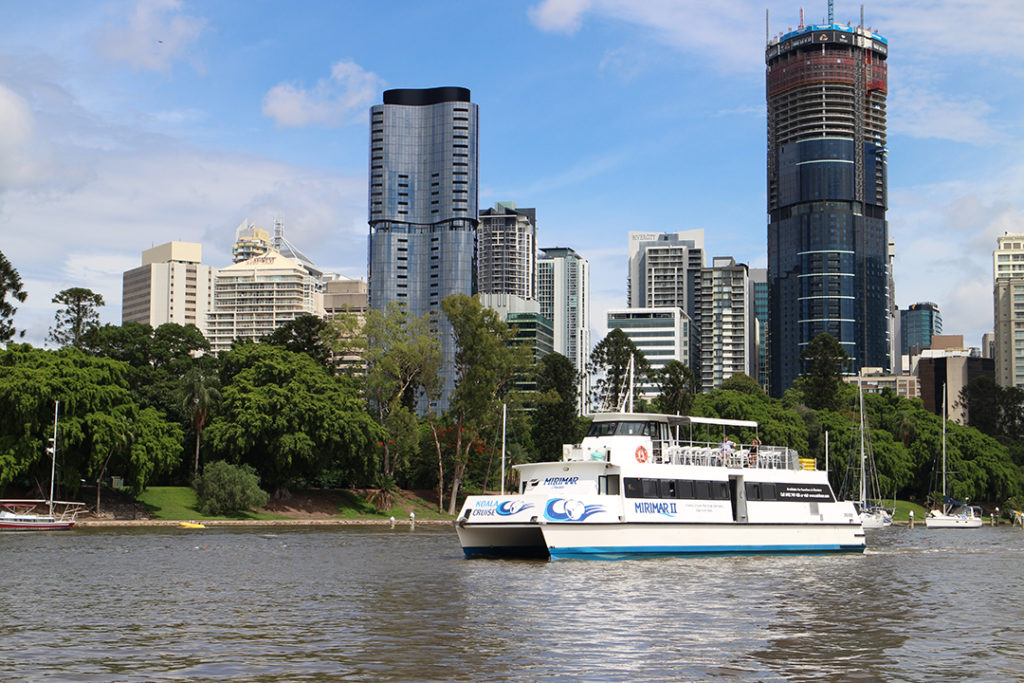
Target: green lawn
{"points": [[179, 503], [903, 508]]}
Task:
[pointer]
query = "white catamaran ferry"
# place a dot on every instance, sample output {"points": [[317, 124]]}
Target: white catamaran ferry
{"points": [[634, 488]]}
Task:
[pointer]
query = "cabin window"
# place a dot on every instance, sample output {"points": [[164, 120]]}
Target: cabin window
{"points": [[700, 490], [667, 488], [650, 488], [685, 488], [608, 485], [633, 487], [720, 491], [602, 428]]}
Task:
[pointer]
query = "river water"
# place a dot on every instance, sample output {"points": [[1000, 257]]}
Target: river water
{"points": [[380, 604]]}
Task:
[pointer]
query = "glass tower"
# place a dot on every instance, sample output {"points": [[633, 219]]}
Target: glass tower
{"points": [[827, 232], [423, 205], [918, 324]]}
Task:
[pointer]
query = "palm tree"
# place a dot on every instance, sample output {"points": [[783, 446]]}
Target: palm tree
{"points": [[198, 393]]}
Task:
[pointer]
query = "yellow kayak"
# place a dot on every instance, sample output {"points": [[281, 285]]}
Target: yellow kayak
{"points": [[191, 525]]}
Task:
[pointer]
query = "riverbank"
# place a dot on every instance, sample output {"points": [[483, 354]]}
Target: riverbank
{"points": [[208, 523]]}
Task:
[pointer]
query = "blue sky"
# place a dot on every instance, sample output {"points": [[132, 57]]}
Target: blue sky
{"points": [[132, 123]]}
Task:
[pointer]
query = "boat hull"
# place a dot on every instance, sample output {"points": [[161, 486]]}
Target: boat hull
{"points": [[14, 525], [952, 522]]}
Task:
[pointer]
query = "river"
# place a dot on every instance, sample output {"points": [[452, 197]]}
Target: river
{"points": [[379, 604]]}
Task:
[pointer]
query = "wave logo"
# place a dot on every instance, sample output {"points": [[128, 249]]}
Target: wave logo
{"points": [[569, 510], [511, 507]]}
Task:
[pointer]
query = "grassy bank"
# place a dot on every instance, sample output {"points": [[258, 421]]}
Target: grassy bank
{"points": [[179, 503]]}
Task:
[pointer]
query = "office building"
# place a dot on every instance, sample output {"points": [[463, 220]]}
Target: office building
{"points": [[563, 290], [725, 323], [506, 251], [1008, 310], [423, 206], [950, 364], [827, 231], [171, 286], [664, 269], [662, 334], [918, 323], [253, 298], [759, 287]]}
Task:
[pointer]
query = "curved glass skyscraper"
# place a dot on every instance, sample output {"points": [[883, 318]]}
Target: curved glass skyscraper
{"points": [[423, 205], [827, 233]]}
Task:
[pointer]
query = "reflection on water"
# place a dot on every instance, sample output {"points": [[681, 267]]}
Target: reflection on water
{"points": [[394, 604]]}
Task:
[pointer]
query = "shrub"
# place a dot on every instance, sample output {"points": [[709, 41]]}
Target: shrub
{"points": [[223, 487]]}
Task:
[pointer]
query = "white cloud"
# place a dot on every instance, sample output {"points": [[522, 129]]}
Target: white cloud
{"points": [[561, 16], [22, 156], [156, 34], [341, 99], [919, 113]]}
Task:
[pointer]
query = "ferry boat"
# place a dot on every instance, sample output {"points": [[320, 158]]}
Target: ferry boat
{"points": [[634, 488]]}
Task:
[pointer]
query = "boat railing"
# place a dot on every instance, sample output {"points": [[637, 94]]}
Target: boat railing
{"points": [[744, 455]]}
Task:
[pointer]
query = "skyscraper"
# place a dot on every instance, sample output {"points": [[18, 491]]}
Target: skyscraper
{"points": [[563, 289], [506, 251], [827, 232], [423, 205], [171, 286], [664, 269], [727, 323], [1008, 313], [918, 324]]}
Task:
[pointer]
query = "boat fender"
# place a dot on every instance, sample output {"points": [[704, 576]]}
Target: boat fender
{"points": [[641, 454]]}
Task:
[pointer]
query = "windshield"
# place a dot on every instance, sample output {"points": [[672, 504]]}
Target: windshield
{"points": [[624, 428]]}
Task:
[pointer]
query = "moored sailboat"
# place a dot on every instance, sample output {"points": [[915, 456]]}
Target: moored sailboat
{"points": [[953, 514]]}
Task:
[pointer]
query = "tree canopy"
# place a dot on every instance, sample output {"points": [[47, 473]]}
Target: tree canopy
{"points": [[78, 314], [10, 291]]}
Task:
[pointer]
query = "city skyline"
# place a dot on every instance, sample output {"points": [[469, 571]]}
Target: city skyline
{"points": [[125, 125]]}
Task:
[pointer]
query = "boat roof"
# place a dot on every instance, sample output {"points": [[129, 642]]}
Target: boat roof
{"points": [[673, 419]]}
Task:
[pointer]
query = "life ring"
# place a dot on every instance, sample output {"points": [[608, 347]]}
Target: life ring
{"points": [[641, 454]]}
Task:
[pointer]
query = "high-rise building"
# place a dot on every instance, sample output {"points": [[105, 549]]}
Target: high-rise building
{"points": [[759, 285], [1008, 309], [827, 231], [253, 298], [726, 322], [662, 334], [171, 286], [506, 251], [563, 290], [918, 324], [423, 205], [664, 269]]}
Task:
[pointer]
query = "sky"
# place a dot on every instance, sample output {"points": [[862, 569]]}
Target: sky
{"points": [[127, 124]]}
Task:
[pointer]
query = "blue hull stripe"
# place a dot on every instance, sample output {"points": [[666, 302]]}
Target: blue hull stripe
{"points": [[622, 552]]}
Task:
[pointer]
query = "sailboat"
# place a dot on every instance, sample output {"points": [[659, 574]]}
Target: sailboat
{"points": [[872, 515], [954, 514], [21, 515]]}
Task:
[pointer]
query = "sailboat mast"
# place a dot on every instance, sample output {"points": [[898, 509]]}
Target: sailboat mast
{"points": [[863, 485], [53, 453], [945, 510], [504, 407]]}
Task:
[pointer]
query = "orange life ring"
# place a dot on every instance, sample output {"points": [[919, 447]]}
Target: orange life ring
{"points": [[641, 454]]}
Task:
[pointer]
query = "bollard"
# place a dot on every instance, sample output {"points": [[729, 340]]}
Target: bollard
{"points": [[995, 517], [392, 521], [412, 520], [911, 519]]}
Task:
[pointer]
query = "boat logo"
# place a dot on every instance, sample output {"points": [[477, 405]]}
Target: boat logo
{"points": [[569, 510], [511, 507]]}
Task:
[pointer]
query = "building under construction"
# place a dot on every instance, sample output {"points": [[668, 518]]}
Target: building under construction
{"points": [[827, 232]]}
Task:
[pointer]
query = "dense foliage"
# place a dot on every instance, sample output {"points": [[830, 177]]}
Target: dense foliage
{"points": [[223, 487], [153, 407]]}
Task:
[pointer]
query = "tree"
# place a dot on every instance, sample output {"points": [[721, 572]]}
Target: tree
{"points": [[824, 361], [96, 405], [198, 394], [306, 334], [609, 362], [290, 418], [743, 383], [77, 316], [403, 359], [555, 421], [486, 362], [10, 291], [224, 487], [678, 388]]}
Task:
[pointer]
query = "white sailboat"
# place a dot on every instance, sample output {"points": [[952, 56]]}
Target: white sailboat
{"points": [[953, 515], [873, 515]]}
